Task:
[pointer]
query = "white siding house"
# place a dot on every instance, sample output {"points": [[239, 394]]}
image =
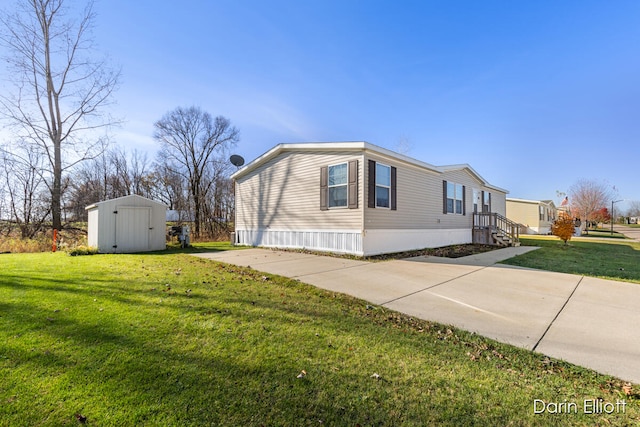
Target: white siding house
{"points": [[357, 198], [127, 224]]}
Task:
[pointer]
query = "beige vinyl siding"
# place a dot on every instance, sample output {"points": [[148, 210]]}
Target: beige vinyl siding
{"points": [[464, 177], [420, 199], [416, 190], [499, 202], [527, 212], [284, 194], [523, 212]]}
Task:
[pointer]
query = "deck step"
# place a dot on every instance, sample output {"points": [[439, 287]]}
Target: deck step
{"points": [[499, 230]]}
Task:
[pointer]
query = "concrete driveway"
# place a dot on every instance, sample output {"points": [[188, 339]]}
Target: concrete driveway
{"points": [[629, 232], [587, 321]]}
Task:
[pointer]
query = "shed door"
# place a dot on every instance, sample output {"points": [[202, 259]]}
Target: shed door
{"points": [[93, 228], [132, 229]]}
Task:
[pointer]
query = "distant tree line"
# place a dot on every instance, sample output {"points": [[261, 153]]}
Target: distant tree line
{"points": [[190, 174], [58, 158]]}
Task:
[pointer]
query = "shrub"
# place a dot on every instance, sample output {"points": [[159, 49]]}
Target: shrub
{"points": [[11, 241], [563, 227], [17, 245], [83, 250]]}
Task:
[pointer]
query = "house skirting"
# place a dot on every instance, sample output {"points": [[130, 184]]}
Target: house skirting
{"points": [[339, 241], [355, 242], [388, 241], [538, 230], [542, 230]]}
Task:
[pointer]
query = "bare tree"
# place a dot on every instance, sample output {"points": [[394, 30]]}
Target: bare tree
{"points": [[587, 197], [218, 207], [4, 196], [113, 174], [191, 142], [25, 187], [169, 188], [60, 88], [128, 172], [634, 208], [139, 174], [90, 184]]}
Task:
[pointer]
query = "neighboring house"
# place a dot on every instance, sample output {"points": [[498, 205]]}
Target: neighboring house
{"points": [[536, 216], [127, 224], [357, 198]]}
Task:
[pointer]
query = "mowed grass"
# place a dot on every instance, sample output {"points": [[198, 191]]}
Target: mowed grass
{"points": [[603, 233], [612, 259], [168, 339]]}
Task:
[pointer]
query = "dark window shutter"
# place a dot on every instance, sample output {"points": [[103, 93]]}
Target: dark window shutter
{"points": [[353, 184], [371, 197], [444, 197], [324, 188], [394, 192], [482, 203], [490, 203], [464, 200]]}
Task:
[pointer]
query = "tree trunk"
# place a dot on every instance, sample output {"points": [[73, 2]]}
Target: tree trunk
{"points": [[56, 191], [59, 89], [55, 125], [196, 213]]}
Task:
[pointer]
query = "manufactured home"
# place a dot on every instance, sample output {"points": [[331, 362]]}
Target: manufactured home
{"points": [[535, 216], [358, 198], [127, 224]]}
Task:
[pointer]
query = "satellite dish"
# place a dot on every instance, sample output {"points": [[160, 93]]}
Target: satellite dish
{"points": [[236, 160]]}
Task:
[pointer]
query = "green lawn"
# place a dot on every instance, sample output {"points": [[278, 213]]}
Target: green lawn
{"points": [[167, 339], [604, 233], [614, 259]]}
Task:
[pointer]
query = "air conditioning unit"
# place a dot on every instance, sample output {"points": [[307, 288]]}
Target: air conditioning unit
{"points": [[182, 233]]}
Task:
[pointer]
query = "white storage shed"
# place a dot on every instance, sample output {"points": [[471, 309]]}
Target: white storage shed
{"points": [[127, 224]]}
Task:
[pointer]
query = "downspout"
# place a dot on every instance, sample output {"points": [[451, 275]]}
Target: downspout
{"points": [[235, 214], [361, 184]]}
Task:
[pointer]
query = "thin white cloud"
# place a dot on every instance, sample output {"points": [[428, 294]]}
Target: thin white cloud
{"points": [[135, 140], [273, 114]]}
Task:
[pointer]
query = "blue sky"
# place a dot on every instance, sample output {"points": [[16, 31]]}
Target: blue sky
{"points": [[533, 95]]}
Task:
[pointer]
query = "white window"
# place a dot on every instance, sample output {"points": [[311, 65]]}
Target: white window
{"points": [[338, 183], [455, 198], [383, 186]]}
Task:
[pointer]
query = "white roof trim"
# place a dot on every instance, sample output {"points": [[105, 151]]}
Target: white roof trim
{"points": [[513, 199], [330, 146], [356, 145], [538, 202], [449, 168], [94, 205], [380, 150]]}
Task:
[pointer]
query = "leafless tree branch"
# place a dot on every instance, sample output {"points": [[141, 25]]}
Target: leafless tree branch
{"points": [[60, 88]]}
